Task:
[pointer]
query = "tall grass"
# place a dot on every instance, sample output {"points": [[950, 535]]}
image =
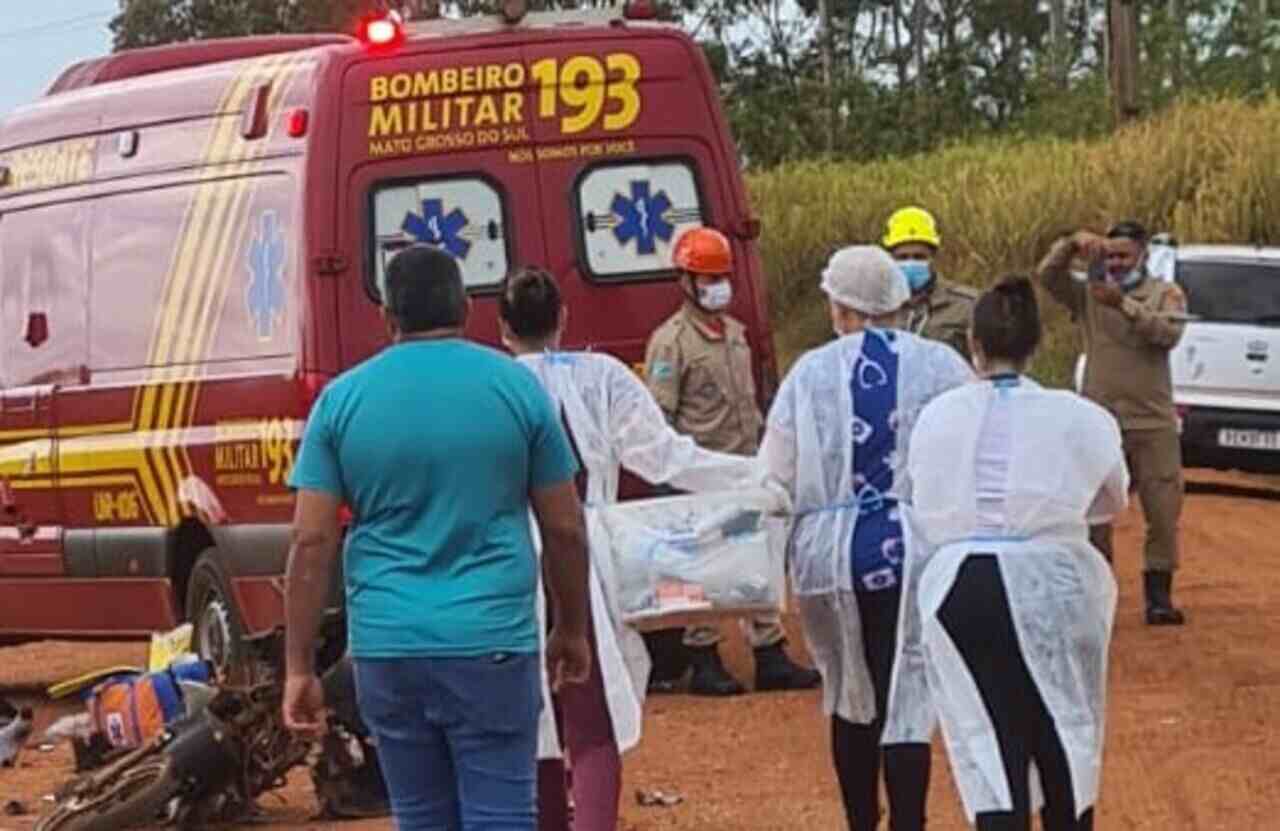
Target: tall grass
{"points": [[1208, 171]]}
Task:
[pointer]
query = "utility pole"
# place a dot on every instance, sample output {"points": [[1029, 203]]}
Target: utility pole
{"points": [[1260, 22], [828, 84], [1122, 38], [1058, 41], [919, 17]]}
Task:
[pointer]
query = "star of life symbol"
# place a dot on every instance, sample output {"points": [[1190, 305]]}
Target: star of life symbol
{"points": [[265, 296], [642, 217], [435, 227]]}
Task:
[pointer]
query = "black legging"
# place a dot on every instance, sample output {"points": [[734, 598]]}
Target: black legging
{"points": [[856, 747], [976, 616]]}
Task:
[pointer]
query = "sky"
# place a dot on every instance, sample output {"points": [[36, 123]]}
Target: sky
{"points": [[39, 39]]}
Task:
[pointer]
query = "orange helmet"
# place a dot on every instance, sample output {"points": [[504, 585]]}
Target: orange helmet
{"points": [[703, 251]]}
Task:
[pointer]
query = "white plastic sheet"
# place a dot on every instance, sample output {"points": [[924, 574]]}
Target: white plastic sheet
{"points": [[703, 556]]}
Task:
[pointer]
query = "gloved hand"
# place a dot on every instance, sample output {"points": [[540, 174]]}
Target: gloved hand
{"points": [[780, 504]]}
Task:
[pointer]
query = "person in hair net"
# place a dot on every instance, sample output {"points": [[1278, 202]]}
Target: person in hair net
{"points": [[837, 440], [1007, 608]]}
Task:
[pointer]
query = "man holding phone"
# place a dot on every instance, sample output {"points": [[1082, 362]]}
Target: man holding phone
{"points": [[1130, 323]]}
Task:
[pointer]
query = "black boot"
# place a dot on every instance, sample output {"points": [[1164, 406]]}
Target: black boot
{"points": [[709, 675], [1160, 608], [670, 659], [776, 671]]}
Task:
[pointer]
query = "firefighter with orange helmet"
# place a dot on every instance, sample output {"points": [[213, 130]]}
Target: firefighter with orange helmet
{"points": [[698, 366], [938, 309]]}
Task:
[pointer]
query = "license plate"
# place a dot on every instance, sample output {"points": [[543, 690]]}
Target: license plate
{"points": [[1250, 439]]}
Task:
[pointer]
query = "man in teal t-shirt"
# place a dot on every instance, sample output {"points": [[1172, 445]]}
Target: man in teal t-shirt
{"points": [[441, 448]]}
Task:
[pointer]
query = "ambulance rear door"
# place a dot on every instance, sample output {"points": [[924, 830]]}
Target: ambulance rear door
{"points": [[625, 165], [438, 152]]}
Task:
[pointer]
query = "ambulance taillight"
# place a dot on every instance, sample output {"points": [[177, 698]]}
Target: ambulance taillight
{"points": [[382, 31], [296, 121]]}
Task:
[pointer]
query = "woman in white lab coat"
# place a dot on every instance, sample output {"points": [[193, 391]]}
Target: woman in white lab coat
{"points": [[612, 422], [1008, 608], [837, 441]]}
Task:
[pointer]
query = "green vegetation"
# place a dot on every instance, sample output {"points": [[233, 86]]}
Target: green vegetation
{"points": [[1207, 171]]}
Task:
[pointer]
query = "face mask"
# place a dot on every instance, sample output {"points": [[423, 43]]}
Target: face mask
{"points": [[917, 272], [1131, 279], [716, 296]]}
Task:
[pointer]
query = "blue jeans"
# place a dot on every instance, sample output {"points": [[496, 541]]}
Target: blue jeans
{"points": [[457, 738]]}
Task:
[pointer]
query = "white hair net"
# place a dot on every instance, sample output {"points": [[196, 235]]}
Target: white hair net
{"points": [[866, 279]]}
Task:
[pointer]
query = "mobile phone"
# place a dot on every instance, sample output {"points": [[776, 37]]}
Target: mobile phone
{"points": [[1098, 270]]}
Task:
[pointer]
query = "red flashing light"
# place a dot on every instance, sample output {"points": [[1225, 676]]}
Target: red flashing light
{"points": [[382, 31], [296, 122], [640, 10]]}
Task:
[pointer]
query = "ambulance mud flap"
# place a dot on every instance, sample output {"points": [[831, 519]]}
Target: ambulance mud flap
{"points": [[252, 550], [117, 552]]}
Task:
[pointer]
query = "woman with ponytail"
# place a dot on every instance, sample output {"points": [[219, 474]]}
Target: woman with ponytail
{"points": [[1008, 608]]}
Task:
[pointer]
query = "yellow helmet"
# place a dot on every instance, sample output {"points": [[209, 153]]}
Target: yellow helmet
{"points": [[911, 225]]}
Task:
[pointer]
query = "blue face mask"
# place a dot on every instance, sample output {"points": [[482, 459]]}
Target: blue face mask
{"points": [[917, 272]]}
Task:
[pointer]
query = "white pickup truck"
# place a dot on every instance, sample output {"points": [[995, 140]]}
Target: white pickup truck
{"points": [[1226, 370]]}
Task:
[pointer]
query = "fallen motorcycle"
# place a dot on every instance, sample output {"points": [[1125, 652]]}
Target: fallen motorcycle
{"points": [[211, 766]]}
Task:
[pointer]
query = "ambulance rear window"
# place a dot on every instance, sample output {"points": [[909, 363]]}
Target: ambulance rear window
{"points": [[462, 216], [630, 215]]}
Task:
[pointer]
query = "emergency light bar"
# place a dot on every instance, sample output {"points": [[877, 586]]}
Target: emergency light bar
{"points": [[380, 31]]}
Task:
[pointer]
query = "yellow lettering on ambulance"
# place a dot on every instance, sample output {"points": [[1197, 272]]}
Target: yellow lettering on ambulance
{"points": [[464, 103], [386, 120], [512, 107], [401, 85], [424, 84], [469, 79], [487, 111]]}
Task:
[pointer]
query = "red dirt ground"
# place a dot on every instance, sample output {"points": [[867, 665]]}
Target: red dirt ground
{"points": [[1194, 713]]}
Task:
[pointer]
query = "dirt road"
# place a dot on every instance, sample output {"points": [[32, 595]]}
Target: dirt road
{"points": [[1193, 739]]}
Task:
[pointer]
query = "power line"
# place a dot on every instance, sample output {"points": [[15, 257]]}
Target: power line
{"points": [[79, 22]]}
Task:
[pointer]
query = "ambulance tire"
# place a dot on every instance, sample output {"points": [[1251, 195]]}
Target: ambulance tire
{"points": [[211, 609]]}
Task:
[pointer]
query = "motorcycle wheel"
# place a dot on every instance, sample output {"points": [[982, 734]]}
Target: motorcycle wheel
{"points": [[137, 797]]}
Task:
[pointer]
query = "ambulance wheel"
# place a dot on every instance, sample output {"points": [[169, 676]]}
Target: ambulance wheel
{"points": [[213, 615]]}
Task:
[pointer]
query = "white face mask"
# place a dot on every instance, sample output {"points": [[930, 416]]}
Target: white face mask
{"points": [[716, 297]]}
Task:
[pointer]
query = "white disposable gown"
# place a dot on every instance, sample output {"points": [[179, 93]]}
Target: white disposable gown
{"points": [[809, 448], [616, 423], [1059, 467]]}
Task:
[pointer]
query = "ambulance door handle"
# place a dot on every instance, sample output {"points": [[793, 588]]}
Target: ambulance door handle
{"points": [[7, 502], [25, 528], [37, 329], [329, 264]]}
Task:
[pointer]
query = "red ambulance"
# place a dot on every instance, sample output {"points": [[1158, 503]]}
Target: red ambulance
{"points": [[191, 241]]}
